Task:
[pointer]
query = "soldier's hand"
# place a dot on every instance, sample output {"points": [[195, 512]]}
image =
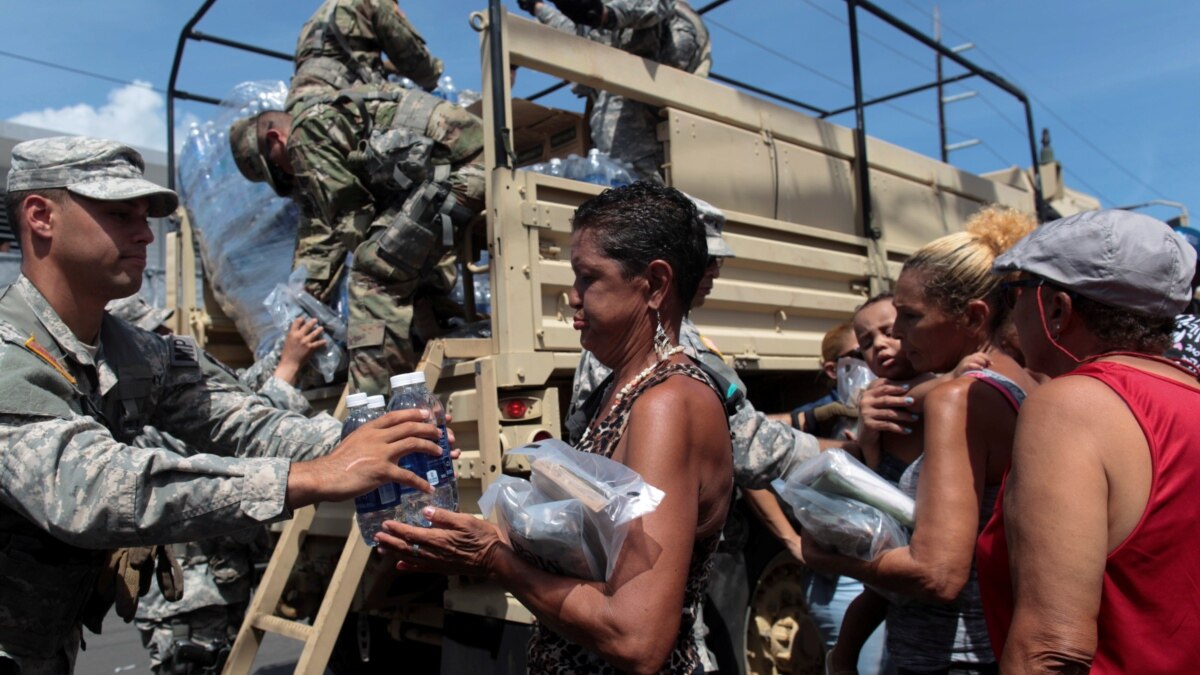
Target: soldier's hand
{"points": [[528, 5], [365, 460], [583, 12]]}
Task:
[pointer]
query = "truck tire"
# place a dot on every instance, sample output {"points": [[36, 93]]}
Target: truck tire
{"points": [[757, 620], [388, 656], [482, 645]]}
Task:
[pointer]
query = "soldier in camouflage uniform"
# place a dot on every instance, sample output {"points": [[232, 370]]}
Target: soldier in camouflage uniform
{"points": [[194, 633], [666, 31], [76, 387], [363, 164], [343, 45], [352, 149]]}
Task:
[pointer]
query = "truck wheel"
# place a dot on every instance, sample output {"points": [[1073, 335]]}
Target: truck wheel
{"points": [[387, 655], [758, 622], [781, 637]]}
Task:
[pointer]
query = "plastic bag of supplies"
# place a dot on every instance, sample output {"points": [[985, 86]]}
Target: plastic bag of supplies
{"points": [[836, 472], [843, 524], [571, 517], [290, 300]]}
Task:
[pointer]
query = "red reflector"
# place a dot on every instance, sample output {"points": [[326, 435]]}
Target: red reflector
{"points": [[515, 409], [542, 436]]}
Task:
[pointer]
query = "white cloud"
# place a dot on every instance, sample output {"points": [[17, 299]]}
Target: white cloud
{"points": [[134, 114]]}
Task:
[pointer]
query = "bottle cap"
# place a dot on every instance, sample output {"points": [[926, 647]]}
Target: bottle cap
{"points": [[406, 379], [375, 401], [356, 400]]}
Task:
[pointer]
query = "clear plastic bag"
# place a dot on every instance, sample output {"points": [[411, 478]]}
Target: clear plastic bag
{"points": [[246, 234], [573, 515], [836, 472], [843, 524], [288, 301], [853, 375]]}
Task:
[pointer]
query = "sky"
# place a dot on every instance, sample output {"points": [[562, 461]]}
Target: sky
{"points": [[1117, 82]]}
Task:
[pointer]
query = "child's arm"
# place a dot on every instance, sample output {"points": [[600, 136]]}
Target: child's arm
{"points": [[302, 341], [862, 617]]}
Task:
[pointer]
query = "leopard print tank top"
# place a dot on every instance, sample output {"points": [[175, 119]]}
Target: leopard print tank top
{"points": [[552, 654]]}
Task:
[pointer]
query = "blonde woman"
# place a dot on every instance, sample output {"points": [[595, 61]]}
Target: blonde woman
{"points": [[947, 308]]}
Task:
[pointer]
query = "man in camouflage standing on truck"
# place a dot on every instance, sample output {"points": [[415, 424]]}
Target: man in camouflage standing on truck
{"points": [[378, 170], [666, 31]]}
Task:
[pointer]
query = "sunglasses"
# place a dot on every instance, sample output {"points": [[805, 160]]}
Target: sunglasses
{"points": [[1008, 289], [715, 260]]}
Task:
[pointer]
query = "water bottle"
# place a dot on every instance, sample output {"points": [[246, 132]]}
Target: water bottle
{"points": [[573, 167], [408, 392], [446, 89], [372, 508], [440, 470], [594, 169], [556, 167], [468, 98], [618, 174]]}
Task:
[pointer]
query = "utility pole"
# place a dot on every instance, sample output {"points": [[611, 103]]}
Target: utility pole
{"points": [[944, 147]]}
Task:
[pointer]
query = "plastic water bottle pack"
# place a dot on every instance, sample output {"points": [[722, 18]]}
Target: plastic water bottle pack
{"points": [[597, 168]]}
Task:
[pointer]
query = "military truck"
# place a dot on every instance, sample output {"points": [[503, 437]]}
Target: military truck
{"points": [[819, 216]]}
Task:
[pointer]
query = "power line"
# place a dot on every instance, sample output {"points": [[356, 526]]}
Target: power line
{"points": [[78, 71], [1095, 148], [925, 66], [777, 53]]}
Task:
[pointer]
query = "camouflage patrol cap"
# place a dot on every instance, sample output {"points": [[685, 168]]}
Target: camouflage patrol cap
{"points": [[89, 167], [714, 223], [138, 312], [247, 152]]}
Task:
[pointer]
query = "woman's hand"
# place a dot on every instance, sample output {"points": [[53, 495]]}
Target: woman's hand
{"points": [[820, 559], [885, 407], [455, 543]]}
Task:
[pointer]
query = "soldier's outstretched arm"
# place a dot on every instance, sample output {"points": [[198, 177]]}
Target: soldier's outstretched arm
{"points": [[765, 449], [548, 15], [202, 403], [68, 475], [404, 46]]}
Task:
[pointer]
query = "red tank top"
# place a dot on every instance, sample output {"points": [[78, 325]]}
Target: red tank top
{"points": [[1149, 618]]}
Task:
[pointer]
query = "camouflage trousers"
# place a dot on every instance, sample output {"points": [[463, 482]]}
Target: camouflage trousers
{"points": [[213, 629], [382, 297], [627, 130]]}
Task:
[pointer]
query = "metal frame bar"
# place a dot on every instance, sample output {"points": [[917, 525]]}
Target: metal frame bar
{"points": [[971, 67], [189, 32]]}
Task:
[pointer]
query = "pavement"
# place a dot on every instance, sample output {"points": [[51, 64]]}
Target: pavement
{"points": [[118, 649]]}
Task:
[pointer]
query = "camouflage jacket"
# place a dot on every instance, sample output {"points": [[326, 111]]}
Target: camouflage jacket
{"points": [[71, 486], [635, 26], [260, 378], [337, 193], [216, 571], [343, 45], [763, 449]]}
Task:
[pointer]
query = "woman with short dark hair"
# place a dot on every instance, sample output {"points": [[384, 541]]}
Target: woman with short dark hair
{"points": [[639, 254]]}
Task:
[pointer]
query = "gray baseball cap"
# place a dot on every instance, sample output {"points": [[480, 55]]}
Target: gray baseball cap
{"points": [[89, 167], [714, 223], [138, 312], [1117, 258]]}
